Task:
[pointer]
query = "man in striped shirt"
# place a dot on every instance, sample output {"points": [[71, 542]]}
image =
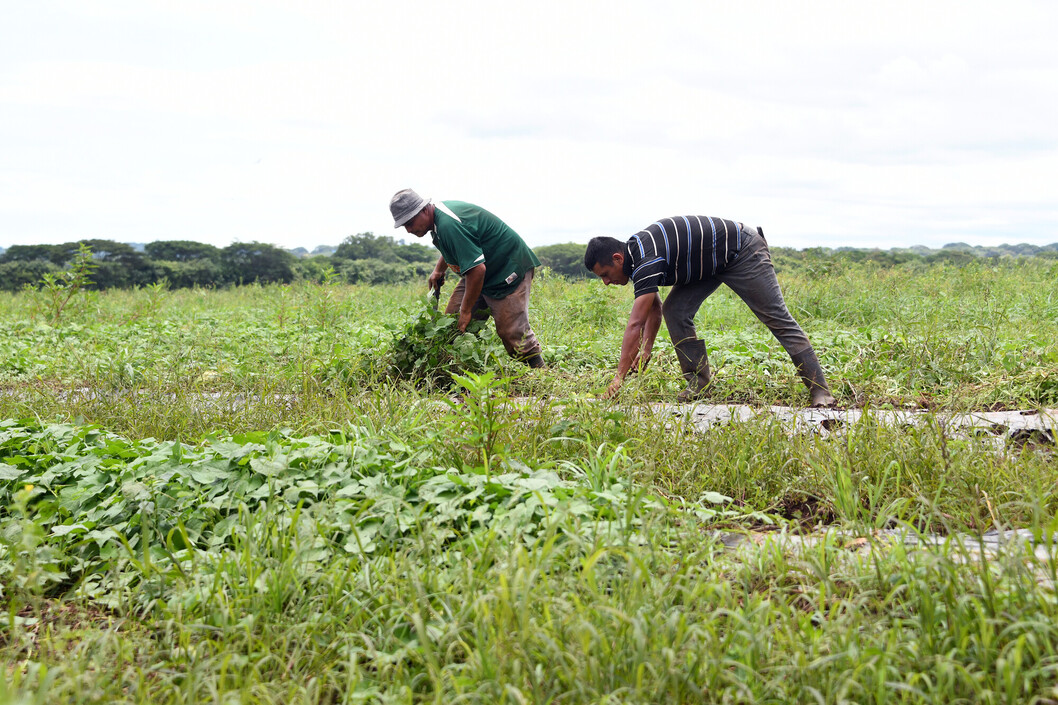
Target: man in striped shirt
{"points": [[695, 255]]}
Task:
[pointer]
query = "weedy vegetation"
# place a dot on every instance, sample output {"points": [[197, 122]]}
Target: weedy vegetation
{"points": [[319, 493], [429, 349]]}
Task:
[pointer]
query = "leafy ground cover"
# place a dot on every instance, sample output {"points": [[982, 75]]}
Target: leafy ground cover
{"points": [[230, 496], [950, 337], [361, 567]]}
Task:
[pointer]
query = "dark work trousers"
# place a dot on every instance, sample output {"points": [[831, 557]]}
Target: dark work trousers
{"points": [[752, 276]]}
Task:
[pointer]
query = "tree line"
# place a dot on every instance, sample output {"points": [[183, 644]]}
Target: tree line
{"points": [[365, 258], [359, 259]]}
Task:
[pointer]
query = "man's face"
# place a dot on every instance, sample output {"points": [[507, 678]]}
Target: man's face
{"points": [[613, 272], [421, 223]]}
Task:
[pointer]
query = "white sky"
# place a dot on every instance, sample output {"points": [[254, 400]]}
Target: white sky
{"points": [[865, 124]]}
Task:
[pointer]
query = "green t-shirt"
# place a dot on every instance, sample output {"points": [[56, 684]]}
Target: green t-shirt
{"points": [[476, 236]]}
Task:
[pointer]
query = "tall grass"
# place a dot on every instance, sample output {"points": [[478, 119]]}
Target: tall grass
{"points": [[673, 619], [642, 601], [941, 336]]}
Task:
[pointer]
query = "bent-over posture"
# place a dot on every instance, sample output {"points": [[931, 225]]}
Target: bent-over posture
{"points": [[695, 255], [494, 264]]}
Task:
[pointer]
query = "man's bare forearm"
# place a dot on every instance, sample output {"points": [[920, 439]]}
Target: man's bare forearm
{"points": [[642, 329], [437, 276], [473, 281]]}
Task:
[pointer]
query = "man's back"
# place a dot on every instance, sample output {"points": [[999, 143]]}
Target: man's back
{"points": [[679, 250], [470, 235]]}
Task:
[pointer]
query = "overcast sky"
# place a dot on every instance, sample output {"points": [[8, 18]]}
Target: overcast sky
{"points": [[865, 124]]}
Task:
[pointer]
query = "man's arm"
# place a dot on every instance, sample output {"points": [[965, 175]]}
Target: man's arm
{"points": [[650, 333], [437, 276], [642, 328], [473, 281]]}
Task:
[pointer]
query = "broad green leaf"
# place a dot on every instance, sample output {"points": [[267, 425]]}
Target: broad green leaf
{"points": [[267, 467], [64, 529]]}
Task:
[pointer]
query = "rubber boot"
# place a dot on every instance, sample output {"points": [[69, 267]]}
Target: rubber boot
{"points": [[536, 361], [694, 362], [812, 374]]}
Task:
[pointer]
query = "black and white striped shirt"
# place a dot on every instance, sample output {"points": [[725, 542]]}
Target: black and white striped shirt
{"points": [[679, 250]]}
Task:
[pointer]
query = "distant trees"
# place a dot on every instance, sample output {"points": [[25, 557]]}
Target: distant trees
{"points": [[119, 265], [185, 263], [16, 274], [189, 273], [181, 251], [248, 262], [376, 271], [386, 249], [365, 258], [31, 253], [566, 259]]}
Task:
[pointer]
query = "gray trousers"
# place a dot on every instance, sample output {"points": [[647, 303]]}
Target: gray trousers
{"points": [[752, 276]]}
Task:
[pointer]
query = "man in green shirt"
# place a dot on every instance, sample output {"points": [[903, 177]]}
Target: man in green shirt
{"points": [[494, 264]]}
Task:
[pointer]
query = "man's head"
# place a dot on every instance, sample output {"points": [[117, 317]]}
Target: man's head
{"points": [[605, 257], [412, 211]]}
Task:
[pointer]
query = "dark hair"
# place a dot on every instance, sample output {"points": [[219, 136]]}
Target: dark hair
{"points": [[601, 251]]}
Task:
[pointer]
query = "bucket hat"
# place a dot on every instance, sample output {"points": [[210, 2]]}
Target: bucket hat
{"points": [[405, 205]]}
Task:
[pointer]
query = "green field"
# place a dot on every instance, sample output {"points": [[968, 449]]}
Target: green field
{"points": [[254, 495]]}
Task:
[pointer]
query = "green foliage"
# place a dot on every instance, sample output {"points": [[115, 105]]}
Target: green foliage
{"points": [[116, 514], [376, 271], [429, 349], [566, 259], [354, 566], [938, 336], [368, 246], [317, 270], [481, 403], [56, 254], [243, 263], [16, 275], [29, 564], [183, 274], [57, 290], [181, 251], [365, 258], [501, 537], [117, 264]]}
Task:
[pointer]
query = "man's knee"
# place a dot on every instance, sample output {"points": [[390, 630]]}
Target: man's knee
{"points": [[521, 344], [680, 328], [677, 316]]}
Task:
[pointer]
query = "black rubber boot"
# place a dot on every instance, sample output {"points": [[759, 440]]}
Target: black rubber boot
{"points": [[812, 374], [536, 361], [694, 362]]}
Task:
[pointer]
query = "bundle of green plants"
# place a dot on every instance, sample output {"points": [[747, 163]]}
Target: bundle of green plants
{"points": [[429, 348]]}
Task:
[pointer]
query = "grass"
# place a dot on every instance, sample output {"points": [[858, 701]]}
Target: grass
{"points": [[223, 497], [939, 337]]}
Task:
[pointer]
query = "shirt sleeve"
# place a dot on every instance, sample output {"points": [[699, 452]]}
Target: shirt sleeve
{"points": [[648, 276], [648, 265]]}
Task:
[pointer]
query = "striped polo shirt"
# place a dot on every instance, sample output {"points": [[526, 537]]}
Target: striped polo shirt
{"points": [[680, 250]]}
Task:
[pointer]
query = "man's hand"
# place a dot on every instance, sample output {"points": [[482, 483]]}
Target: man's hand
{"points": [[436, 280], [611, 391], [640, 363], [464, 321]]}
